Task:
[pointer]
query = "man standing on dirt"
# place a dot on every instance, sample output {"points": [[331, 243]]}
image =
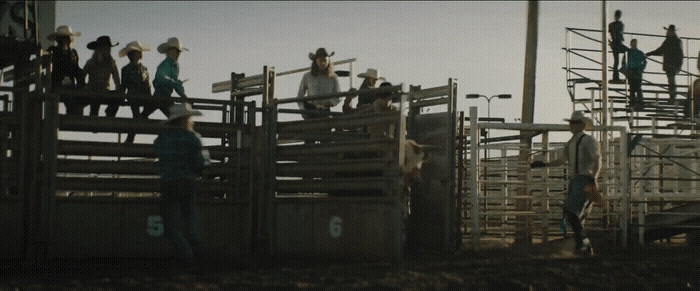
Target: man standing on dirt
{"points": [[582, 152]]}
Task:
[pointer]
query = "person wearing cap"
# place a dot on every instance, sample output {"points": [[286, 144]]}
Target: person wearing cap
{"points": [[582, 153], [634, 69], [98, 69], [181, 159], [66, 74], [135, 79], [672, 51], [166, 79], [319, 81], [616, 43]]}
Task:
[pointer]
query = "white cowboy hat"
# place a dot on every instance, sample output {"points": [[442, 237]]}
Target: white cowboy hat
{"points": [[133, 46], [63, 30], [579, 116], [172, 42], [182, 110], [371, 73]]}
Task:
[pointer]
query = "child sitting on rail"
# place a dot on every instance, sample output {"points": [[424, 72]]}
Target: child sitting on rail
{"points": [[166, 79], [135, 80], [66, 74], [320, 80], [99, 68]]}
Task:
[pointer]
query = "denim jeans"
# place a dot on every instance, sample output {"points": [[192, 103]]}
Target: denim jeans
{"points": [[180, 219]]}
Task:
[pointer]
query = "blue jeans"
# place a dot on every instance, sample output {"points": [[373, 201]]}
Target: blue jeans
{"points": [[179, 210]]}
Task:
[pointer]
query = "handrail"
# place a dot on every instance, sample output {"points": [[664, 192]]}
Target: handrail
{"points": [[226, 85], [628, 33], [387, 89]]}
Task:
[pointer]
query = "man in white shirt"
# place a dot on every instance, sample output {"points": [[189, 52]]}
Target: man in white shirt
{"points": [[582, 153]]}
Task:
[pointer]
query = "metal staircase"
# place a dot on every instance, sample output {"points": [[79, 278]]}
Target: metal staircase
{"points": [[664, 158]]}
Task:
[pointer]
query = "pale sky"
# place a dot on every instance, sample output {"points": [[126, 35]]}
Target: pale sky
{"points": [[479, 43]]}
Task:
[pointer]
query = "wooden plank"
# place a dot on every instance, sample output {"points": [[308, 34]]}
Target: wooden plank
{"points": [[129, 167], [362, 167], [379, 145], [87, 148], [431, 92], [344, 121], [133, 185], [345, 184], [140, 126], [323, 136]]}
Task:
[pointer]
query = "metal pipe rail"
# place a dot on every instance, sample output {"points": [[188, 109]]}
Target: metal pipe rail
{"points": [[256, 80], [387, 89]]}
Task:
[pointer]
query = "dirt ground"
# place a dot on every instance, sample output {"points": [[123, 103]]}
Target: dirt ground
{"points": [[650, 268]]}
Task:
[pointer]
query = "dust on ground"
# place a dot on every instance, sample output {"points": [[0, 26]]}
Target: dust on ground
{"points": [[648, 268]]}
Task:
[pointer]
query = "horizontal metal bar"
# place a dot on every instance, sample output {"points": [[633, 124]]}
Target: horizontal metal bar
{"points": [[380, 90]]}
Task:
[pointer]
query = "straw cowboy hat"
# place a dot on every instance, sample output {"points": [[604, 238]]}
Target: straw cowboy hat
{"points": [[63, 30], [101, 41], [579, 116], [320, 53], [182, 110], [371, 73], [133, 46], [172, 42]]}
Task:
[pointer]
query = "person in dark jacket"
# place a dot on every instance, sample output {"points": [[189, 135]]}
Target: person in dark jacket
{"points": [[634, 69], [616, 38], [135, 79], [67, 74], [672, 51], [180, 160]]}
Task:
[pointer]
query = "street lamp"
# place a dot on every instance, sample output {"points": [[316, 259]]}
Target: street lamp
{"points": [[486, 140], [488, 99]]}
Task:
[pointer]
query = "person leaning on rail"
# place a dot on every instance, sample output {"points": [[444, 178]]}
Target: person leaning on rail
{"points": [[319, 81], [582, 153], [672, 51], [135, 79], [167, 78], [181, 159]]}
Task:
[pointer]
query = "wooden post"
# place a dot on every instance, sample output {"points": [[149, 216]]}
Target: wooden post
{"points": [[523, 235], [460, 179]]}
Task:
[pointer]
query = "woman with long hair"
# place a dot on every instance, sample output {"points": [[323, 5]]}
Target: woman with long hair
{"points": [[320, 80], [99, 68]]}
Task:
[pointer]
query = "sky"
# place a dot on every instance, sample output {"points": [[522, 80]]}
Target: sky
{"points": [[481, 44]]}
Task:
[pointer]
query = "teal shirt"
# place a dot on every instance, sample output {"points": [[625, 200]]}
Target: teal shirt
{"points": [[166, 79], [179, 153], [637, 60]]}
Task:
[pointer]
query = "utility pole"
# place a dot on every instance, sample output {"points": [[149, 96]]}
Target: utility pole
{"points": [[523, 236]]}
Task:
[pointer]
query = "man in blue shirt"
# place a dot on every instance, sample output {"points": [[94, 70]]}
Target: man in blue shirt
{"points": [[634, 69], [180, 160], [166, 79]]}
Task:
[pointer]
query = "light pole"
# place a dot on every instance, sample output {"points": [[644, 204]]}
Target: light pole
{"points": [[488, 100], [486, 136]]}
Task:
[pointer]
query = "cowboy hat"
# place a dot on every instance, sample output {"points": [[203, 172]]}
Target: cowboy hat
{"points": [[671, 27], [172, 42], [63, 30], [577, 116], [320, 53], [101, 41], [182, 110], [133, 46], [371, 73]]}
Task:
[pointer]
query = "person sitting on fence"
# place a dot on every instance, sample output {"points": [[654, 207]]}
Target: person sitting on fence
{"points": [[66, 74], [180, 160], [166, 79], [135, 79], [672, 51], [320, 80], [582, 153], [98, 69], [634, 69]]}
